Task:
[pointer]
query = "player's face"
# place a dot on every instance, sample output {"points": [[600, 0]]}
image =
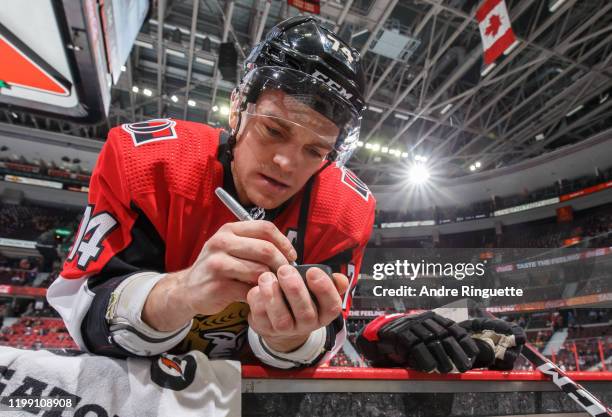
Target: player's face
{"points": [[281, 144]]}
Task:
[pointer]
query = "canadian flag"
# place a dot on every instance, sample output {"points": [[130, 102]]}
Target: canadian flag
{"points": [[495, 29]]}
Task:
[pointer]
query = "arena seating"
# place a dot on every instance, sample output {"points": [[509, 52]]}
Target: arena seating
{"points": [[27, 222], [37, 333], [489, 206], [44, 170]]}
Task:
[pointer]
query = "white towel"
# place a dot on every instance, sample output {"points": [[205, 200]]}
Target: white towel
{"points": [[169, 385]]}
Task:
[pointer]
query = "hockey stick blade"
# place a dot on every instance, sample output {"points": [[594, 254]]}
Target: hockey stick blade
{"points": [[575, 391]]}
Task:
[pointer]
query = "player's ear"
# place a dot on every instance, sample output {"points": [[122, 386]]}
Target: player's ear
{"points": [[234, 108]]}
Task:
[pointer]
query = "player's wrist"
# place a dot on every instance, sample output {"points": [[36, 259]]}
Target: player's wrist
{"points": [[285, 344], [166, 308]]}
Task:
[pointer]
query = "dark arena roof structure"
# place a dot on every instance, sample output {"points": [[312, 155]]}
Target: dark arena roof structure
{"points": [[427, 95]]}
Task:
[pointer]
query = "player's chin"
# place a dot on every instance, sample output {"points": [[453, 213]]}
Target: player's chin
{"points": [[269, 200]]}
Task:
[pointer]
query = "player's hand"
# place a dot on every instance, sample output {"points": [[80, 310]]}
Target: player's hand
{"points": [[231, 262], [227, 267], [499, 342], [426, 342], [283, 311]]}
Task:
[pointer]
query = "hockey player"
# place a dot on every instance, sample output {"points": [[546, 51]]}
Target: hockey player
{"points": [[159, 263]]}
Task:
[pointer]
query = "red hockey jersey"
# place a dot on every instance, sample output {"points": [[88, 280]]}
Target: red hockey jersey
{"points": [[152, 207]]}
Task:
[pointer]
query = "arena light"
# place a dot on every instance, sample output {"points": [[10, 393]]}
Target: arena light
{"points": [[215, 108], [554, 5], [418, 174], [359, 144], [404, 154], [191, 103], [384, 149], [135, 89], [174, 99], [539, 136], [472, 167], [375, 109], [224, 110], [123, 68], [375, 147], [368, 146], [477, 164], [147, 92], [574, 110], [401, 116], [446, 108]]}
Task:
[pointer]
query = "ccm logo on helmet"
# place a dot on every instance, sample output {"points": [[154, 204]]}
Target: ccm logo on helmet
{"points": [[151, 130], [332, 84]]}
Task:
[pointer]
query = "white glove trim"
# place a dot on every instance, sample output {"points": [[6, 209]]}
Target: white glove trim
{"points": [[305, 355], [123, 315]]}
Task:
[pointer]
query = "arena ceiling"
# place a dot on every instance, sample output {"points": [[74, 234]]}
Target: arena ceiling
{"points": [[428, 100]]}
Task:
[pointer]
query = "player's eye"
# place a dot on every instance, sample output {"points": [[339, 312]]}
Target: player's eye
{"points": [[315, 153], [273, 132]]}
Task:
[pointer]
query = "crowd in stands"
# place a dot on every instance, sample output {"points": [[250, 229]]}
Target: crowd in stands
{"points": [[28, 222], [486, 208], [22, 273], [37, 333]]}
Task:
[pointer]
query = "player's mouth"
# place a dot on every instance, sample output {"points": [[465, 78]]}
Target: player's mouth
{"points": [[272, 183]]}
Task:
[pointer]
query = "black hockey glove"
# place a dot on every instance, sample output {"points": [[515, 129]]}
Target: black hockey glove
{"points": [[499, 342], [426, 342]]}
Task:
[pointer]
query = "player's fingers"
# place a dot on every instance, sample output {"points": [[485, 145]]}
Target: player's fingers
{"points": [[341, 282], [278, 313], [297, 295], [239, 269], [237, 291], [258, 317], [256, 250], [325, 292], [265, 230]]}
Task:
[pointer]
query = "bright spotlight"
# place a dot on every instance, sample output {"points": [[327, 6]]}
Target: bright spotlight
{"points": [[472, 167], [147, 92], [135, 89], [174, 99], [418, 174], [478, 164], [224, 110], [191, 103], [215, 108]]}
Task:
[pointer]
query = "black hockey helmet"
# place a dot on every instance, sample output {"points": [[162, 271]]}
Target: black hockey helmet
{"points": [[305, 60]]}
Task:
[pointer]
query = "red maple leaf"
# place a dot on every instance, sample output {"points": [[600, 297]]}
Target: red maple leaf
{"points": [[493, 27]]}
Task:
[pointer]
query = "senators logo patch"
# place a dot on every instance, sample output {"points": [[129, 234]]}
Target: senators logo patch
{"points": [[219, 336], [350, 179], [151, 131]]}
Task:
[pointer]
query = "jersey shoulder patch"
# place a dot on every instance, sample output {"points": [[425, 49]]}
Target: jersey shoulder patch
{"points": [[151, 131], [351, 180], [344, 202], [176, 155]]}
